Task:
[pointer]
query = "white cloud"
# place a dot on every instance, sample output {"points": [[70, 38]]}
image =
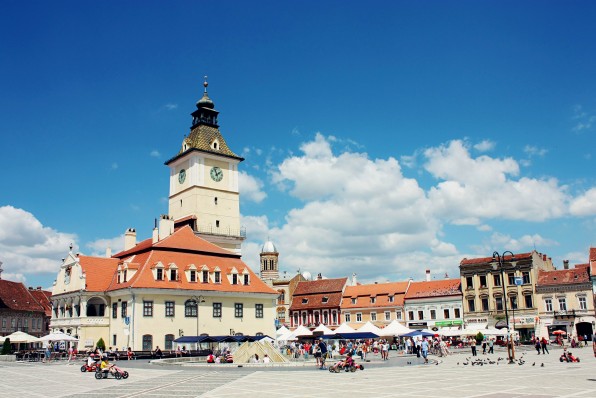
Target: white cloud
{"points": [[170, 106], [522, 243], [27, 247], [155, 153], [535, 151], [582, 119], [483, 188], [251, 188], [485, 146], [98, 247], [585, 204]]}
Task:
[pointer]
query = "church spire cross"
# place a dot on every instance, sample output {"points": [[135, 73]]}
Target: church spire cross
{"points": [[205, 84]]}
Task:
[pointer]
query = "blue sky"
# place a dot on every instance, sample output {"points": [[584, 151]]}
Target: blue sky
{"points": [[380, 139]]}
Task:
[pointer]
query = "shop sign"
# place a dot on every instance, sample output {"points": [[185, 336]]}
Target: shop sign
{"points": [[477, 320]]}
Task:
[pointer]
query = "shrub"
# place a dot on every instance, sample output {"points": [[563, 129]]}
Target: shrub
{"points": [[101, 344], [479, 337], [6, 347]]}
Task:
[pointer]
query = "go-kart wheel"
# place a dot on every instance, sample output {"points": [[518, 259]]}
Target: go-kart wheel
{"points": [[83, 368], [361, 367], [98, 375], [125, 375], [577, 359], [118, 375], [352, 368], [331, 369]]}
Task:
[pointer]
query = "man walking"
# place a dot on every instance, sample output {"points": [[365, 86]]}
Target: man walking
{"points": [[543, 346]]}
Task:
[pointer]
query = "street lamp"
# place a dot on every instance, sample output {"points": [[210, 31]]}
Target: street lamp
{"points": [[198, 299], [498, 264]]}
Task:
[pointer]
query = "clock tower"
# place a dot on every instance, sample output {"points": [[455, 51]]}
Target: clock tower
{"points": [[204, 181]]}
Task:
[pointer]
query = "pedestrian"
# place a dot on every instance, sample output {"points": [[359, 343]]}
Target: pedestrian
{"points": [[543, 344], [537, 346], [424, 348], [473, 346], [491, 348], [484, 347]]}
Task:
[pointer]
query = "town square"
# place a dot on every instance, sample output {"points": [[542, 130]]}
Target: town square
{"points": [[298, 199]]}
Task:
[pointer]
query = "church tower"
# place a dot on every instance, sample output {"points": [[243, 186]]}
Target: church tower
{"points": [[204, 181], [269, 261]]}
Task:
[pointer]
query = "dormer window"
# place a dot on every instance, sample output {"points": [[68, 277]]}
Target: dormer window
{"points": [[124, 276], [215, 145], [173, 275], [354, 299], [217, 277], [246, 279], [118, 277], [193, 275], [325, 299], [159, 274], [205, 276], [391, 298], [373, 300], [234, 279], [304, 301]]}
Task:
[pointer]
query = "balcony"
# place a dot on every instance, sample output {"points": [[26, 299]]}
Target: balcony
{"points": [[228, 232]]}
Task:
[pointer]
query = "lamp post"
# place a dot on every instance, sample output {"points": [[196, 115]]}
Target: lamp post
{"points": [[498, 264], [198, 299]]}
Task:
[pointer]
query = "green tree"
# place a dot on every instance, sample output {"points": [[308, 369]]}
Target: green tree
{"points": [[101, 344], [479, 337], [6, 347]]}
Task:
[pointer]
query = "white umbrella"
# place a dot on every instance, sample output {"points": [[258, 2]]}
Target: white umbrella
{"points": [[369, 327], [344, 328], [394, 329], [20, 337], [58, 337]]}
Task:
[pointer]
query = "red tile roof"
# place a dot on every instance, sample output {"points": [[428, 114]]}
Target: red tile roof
{"points": [[320, 286], [43, 298], [315, 301], [444, 287], [485, 260], [592, 261], [579, 274], [184, 249], [16, 296], [99, 272], [381, 292]]}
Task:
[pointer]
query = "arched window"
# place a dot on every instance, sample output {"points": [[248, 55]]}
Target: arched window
{"points": [[190, 309], [281, 299], [147, 342], [304, 318]]}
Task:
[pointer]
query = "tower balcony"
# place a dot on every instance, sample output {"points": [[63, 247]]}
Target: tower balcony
{"points": [[225, 232]]}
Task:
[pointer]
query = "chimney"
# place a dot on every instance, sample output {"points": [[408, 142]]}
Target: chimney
{"points": [[155, 236], [565, 264], [108, 252], [428, 275], [166, 226], [319, 276], [354, 281], [544, 257], [38, 287], [130, 239]]}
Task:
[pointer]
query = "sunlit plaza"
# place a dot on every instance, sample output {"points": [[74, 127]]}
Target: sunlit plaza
{"points": [[531, 375]]}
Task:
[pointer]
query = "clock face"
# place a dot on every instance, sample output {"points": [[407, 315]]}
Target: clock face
{"points": [[182, 176], [216, 174]]}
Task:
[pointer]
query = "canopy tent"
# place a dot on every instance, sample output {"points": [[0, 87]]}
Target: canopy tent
{"points": [[344, 328], [281, 331], [20, 337], [416, 333], [449, 332], [300, 331], [353, 336], [322, 328], [217, 339], [368, 327], [394, 329], [285, 337], [58, 336], [493, 332]]}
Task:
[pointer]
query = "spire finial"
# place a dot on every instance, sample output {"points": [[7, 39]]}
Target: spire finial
{"points": [[205, 84]]}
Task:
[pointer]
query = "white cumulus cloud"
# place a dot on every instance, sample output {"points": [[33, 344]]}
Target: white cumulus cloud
{"points": [[251, 188], [27, 247]]}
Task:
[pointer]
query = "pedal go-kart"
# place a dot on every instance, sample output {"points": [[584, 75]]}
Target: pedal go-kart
{"points": [[87, 368], [112, 370], [352, 368]]}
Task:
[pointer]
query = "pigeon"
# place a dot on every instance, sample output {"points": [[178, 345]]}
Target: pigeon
{"points": [[542, 365], [534, 364], [458, 364]]}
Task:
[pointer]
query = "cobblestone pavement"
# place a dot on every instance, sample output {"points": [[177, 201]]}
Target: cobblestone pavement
{"points": [[447, 377]]}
